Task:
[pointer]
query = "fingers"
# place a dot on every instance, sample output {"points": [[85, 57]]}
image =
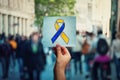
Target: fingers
{"points": [[64, 49], [58, 50]]}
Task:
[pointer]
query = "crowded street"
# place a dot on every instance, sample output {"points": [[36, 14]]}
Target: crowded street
{"points": [[59, 39]]}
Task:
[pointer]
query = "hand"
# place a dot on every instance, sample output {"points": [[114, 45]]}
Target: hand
{"points": [[62, 56], [62, 59]]}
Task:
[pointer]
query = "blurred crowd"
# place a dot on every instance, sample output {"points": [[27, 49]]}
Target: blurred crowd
{"points": [[28, 52], [97, 52], [94, 50]]}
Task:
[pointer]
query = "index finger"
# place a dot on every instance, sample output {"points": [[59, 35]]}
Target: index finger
{"points": [[65, 50]]}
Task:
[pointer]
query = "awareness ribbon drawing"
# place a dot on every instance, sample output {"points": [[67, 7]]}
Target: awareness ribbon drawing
{"points": [[60, 31]]}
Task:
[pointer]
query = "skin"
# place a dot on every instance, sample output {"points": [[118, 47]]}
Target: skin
{"points": [[35, 38], [62, 59]]}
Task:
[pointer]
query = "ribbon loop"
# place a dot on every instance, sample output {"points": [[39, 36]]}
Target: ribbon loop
{"points": [[60, 31]]}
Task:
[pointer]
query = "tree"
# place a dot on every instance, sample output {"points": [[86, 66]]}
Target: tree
{"points": [[52, 8]]}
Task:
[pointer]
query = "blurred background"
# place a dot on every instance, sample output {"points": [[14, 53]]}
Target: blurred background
{"points": [[21, 24]]}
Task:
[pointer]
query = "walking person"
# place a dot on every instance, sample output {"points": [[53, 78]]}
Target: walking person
{"points": [[88, 49], [76, 53], [116, 53], [102, 59], [13, 45], [5, 57], [20, 53], [35, 57]]}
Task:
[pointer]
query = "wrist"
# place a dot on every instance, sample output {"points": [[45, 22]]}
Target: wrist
{"points": [[59, 73], [59, 67]]}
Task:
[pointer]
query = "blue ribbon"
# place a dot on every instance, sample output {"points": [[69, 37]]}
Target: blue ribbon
{"points": [[57, 34]]}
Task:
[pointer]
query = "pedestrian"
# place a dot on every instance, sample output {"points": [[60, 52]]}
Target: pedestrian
{"points": [[116, 53], [34, 56], [13, 45], [87, 53], [102, 59], [20, 53], [5, 57], [76, 53]]}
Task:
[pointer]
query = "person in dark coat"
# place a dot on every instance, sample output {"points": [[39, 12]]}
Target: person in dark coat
{"points": [[20, 52], [34, 56], [5, 52]]}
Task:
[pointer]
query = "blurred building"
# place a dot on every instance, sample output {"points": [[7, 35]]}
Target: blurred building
{"points": [[93, 15], [81, 11], [101, 15], [16, 16]]}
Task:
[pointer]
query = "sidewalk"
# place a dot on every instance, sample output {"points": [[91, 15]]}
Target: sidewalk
{"points": [[47, 74]]}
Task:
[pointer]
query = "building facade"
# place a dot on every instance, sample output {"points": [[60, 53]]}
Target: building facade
{"points": [[93, 15], [101, 15], [16, 16]]}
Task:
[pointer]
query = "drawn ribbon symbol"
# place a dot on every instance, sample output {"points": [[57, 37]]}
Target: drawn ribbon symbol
{"points": [[60, 31]]}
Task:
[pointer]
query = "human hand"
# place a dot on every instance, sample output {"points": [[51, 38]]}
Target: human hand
{"points": [[62, 59], [62, 56]]}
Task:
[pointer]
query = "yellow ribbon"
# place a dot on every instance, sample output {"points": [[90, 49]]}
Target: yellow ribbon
{"points": [[63, 35]]}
